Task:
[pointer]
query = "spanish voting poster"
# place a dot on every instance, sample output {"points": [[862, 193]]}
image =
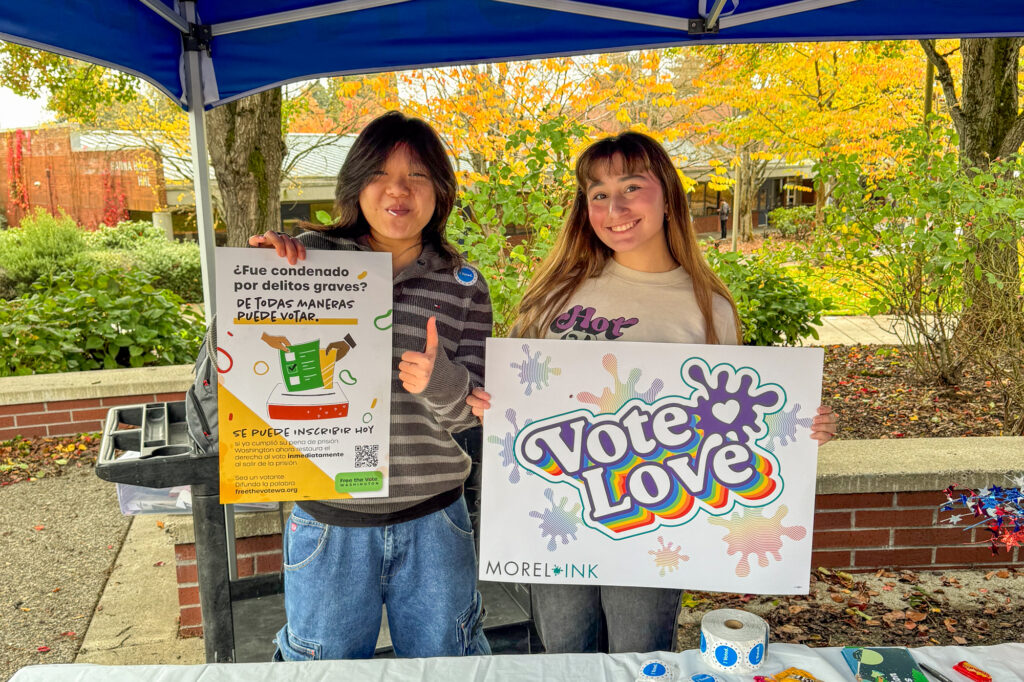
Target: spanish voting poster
{"points": [[649, 464], [304, 364]]}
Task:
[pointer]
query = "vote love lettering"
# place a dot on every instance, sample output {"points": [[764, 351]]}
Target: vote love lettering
{"points": [[660, 463]]}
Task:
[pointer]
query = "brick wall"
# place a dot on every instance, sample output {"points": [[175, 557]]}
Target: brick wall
{"points": [[57, 177], [68, 417], [868, 531], [855, 533], [256, 556]]}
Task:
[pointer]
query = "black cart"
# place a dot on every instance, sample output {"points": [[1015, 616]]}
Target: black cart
{"points": [[241, 615]]}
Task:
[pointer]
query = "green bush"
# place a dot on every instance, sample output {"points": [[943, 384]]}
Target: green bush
{"points": [[774, 308], [526, 191], [94, 320], [174, 266], [41, 246], [937, 245], [127, 235], [112, 262], [794, 221], [170, 265]]}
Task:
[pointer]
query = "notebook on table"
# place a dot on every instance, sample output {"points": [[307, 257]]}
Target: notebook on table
{"points": [[888, 664]]}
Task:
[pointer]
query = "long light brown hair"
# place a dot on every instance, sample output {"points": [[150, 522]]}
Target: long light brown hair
{"points": [[578, 254]]}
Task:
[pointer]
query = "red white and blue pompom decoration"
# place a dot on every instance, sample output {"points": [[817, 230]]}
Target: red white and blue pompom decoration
{"points": [[999, 510]]}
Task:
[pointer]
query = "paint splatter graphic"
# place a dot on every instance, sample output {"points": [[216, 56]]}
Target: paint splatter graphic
{"points": [[557, 522], [782, 427], [533, 372], [731, 402], [750, 533], [667, 557], [620, 393], [507, 443]]}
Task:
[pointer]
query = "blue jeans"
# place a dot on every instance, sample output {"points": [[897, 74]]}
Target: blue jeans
{"points": [[569, 618], [337, 578]]}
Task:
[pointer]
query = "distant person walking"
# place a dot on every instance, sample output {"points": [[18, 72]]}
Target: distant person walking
{"points": [[723, 215]]}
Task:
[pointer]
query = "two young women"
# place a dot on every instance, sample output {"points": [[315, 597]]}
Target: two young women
{"points": [[628, 250]]}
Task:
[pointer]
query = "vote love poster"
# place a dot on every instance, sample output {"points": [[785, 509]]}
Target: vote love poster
{"points": [[649, 464], [304, 368]]}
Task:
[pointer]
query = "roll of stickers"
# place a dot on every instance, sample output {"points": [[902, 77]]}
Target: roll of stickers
{"points": [[733, 641]]}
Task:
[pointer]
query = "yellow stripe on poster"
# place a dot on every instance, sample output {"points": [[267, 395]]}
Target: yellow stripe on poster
{"points": [[322, 320]]}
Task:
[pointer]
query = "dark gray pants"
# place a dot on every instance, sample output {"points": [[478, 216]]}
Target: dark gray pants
{"points": [[570, 618]]}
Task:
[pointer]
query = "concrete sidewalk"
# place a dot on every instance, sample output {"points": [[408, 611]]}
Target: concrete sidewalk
{"points": [[855, 329], [138, 622]]}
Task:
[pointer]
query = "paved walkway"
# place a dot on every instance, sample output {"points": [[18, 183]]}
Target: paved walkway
{"points": [[154, 629], [855, 329]]}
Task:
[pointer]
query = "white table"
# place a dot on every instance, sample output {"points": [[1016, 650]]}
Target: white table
{"points": [[1005, 662]]}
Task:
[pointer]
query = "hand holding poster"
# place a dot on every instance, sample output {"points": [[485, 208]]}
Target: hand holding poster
{"points": [[304, 362], [649, 464]]}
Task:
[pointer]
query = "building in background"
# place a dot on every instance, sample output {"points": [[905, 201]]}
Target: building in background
{"points": [[106, 176], [49, 168]]}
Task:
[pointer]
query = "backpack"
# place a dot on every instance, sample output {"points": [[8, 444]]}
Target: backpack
{"points": [[201, 399]]}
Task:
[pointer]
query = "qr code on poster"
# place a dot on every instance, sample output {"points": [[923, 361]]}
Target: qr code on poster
{"points": [[366, 456]]}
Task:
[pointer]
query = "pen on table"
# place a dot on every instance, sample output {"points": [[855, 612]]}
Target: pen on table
{"points": [[934, 673]]}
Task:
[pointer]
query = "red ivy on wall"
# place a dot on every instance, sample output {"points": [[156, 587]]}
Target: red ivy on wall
{"points": [[115, 203], [16, 187]]}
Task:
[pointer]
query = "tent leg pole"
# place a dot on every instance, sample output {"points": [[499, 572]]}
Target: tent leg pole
{"points": [[205, 225], [214, 583], [201, 179], [204, 209], [221, 565]]}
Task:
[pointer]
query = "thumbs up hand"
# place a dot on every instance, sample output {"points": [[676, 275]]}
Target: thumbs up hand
{"points": [[415, 368]]}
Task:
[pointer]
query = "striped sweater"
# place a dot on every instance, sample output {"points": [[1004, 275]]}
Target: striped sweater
{"points": [[427, 468]]}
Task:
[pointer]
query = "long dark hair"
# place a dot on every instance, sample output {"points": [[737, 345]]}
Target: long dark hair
{"points": [[579, 254], [368, 155]]}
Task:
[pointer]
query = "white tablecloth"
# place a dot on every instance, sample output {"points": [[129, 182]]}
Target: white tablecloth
{"points": [[1005, 662]]}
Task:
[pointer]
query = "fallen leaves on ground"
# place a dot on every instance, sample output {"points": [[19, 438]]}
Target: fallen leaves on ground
{"points": [[877, 394], [29, 459], [842, 609]]}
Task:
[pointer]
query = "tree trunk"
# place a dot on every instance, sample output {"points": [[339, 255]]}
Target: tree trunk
{"points": [[751, 177], [822, 194], [988, 103], [743, 209], [988, 107], [989, 127], [246, 150]]}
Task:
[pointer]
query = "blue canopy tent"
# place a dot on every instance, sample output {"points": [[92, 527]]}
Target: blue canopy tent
{"points": [[203, 53]]}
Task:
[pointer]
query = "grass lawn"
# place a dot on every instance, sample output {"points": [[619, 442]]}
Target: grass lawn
{"points": [[849, 296]]}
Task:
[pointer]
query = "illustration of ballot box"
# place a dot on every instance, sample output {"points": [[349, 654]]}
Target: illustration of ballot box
{"points": [[315, 403]]}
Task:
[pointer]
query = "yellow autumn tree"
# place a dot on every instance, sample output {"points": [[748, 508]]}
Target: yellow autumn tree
{"points": [[804, 102], [478, 108]]}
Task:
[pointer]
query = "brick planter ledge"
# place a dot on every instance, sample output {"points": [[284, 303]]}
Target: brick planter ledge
{"points": [[77, 402], [876, 505]]}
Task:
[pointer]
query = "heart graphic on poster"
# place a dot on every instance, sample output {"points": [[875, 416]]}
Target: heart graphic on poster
{"points": [[726, 412]]}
